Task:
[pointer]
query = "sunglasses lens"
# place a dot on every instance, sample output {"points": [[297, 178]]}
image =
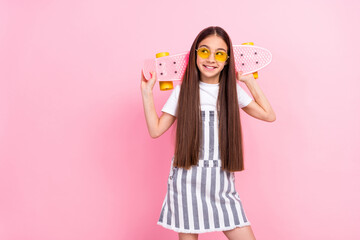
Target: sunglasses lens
{"points": [[220, 56], [203, 52]]}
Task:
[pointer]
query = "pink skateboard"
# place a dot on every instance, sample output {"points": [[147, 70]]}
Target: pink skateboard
{"points": [[248, 59]]}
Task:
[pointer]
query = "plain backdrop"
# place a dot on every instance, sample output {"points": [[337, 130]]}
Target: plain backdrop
{"points": [[77, 162]]}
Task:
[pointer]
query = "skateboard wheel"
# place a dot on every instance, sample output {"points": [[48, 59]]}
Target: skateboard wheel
{"points": [[256, 75], [162, 54], [166, 85], [248, 43]]}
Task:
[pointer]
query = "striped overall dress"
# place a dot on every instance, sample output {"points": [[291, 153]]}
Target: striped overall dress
{"points": [[203, 198]]}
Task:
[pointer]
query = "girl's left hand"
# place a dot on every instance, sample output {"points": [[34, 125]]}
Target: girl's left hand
{"points": [[244, 78]]}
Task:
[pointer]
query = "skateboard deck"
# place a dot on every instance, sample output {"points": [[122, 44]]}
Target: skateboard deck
{"points": [[248, 59]]}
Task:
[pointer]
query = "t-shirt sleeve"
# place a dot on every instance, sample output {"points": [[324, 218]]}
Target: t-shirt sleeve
{"points": [[243, 98], [171, 104]]}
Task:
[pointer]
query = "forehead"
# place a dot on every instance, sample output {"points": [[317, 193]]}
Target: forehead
{"points": [[214, 42]]}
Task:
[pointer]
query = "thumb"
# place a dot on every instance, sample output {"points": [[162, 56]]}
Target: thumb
{"points": [[153, 76]]}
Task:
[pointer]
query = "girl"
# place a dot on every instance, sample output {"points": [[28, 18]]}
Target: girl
{"points": [[201, 195]]}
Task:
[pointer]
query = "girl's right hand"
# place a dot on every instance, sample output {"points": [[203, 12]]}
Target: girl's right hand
{"points": [[147, 85]]}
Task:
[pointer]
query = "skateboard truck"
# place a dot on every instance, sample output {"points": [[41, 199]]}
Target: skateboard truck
{"points": [[255, 74], [164, 85]]}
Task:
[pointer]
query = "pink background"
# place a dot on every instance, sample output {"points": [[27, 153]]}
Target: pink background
{"points": [[76, 160]]}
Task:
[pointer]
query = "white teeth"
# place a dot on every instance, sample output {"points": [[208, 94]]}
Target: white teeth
{"points": [[209, 67]]}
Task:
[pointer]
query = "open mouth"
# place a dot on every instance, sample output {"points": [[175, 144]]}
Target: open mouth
{"points": [[209, 67]]}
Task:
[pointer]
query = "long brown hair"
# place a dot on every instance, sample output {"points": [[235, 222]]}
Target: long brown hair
{"points": [[188, 130]]}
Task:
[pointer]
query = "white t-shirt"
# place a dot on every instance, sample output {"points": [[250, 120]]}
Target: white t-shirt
{"points": [[208, 97]]}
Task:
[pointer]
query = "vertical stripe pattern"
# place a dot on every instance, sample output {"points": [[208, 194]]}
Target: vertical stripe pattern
{"points": [[203, 198]]}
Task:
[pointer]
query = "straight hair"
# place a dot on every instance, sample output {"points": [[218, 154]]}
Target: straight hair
{"points": [[189, 119]]}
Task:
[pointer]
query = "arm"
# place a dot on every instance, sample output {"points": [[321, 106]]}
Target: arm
{"points": [[156, 126], [260, 108]]}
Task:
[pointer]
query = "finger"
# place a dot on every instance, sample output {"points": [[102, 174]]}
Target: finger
{"points": [[142, 75], [153, 76], [143, 78]]}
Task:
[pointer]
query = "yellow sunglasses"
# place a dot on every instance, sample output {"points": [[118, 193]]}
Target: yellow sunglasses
{"points": [[220, 56]]}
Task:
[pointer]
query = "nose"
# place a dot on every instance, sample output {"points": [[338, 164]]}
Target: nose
{"points": [[211, 58]]}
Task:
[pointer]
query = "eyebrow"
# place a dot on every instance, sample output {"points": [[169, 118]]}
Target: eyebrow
{"points": [[209, 47]]}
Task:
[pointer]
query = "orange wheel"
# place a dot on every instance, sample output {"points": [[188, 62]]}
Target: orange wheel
{"points": [[166, 85], [248, 43], [162, 54]]}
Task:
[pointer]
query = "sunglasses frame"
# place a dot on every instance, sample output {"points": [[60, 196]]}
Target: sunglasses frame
{"points": [[227, 55]]}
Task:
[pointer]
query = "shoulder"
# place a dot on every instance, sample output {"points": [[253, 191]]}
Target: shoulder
{"points": [[177, 89], [239, 89], [174, 95]]}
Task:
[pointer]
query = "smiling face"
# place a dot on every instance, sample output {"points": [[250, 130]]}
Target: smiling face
{"points": [[209, 68]]}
